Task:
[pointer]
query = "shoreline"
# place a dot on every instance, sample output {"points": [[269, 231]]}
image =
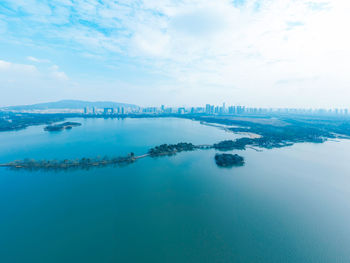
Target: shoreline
{"points": [[256, 136]]}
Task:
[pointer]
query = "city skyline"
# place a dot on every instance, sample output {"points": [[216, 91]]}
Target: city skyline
{"points": [[115, 108], [212, 110]]}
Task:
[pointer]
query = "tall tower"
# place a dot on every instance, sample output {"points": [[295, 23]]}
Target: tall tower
{"points": [[207, 108]]}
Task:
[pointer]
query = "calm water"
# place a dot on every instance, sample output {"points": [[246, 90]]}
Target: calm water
{"points": [[284, 205]]}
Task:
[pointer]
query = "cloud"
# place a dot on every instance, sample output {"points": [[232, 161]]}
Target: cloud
{"points": [[38, 60], [57, 74], [22, 82], [14, 69], [317, 6], [237, 50]]}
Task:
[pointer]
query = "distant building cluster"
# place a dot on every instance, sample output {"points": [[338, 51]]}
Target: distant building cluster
{"points": [[212, 110], [110, 111]]}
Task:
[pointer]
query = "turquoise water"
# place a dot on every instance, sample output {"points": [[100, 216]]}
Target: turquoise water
{"points": [[284, 205]]}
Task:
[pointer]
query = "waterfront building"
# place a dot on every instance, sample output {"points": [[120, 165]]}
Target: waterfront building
{"points": [[107, 111], [216, 109], [232, 110], [207, 108], [181, 110]]}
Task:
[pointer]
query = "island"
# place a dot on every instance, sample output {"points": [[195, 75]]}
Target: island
{"points": [[229, 145], [229, 160], [62, 126], [171, 149]]}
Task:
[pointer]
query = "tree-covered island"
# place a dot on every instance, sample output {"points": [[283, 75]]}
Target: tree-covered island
{"points": [[229, 160], [171, 149], [62, 126]]}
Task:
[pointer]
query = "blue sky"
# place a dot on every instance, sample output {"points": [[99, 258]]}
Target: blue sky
{"points": [[254, 52]]}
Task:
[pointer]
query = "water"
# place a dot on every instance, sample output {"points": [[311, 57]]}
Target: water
{"points": [[285, 205]]}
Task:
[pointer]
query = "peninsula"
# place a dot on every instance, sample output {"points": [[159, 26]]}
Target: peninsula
{"points": [[86, 163]]}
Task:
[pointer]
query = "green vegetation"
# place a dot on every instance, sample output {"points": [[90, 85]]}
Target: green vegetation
{"points": [[242, 143], [17, 121], [62, 126], [229, 160], [230, 145], [273, 132], [86, 163], [282, 132], [83, 163], [170, 149]]}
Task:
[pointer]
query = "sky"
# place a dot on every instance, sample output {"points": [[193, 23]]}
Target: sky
{"points": [[261, 53]]}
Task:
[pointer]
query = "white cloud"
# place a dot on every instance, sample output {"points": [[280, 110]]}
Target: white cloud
{"points": [[57, 74], [23, 82], [13, 69], [38, 60], [212, 48], [234, 49]]}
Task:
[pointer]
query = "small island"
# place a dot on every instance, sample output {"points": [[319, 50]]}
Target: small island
{"points": [[229, 145], [229, 160], [62, 126], [171, 149]]}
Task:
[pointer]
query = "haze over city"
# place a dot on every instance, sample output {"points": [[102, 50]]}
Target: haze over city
{"points": [[179, 53]]}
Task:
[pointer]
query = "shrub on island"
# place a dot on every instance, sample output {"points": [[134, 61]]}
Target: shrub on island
{"points": [[170, 149], [229, 160]]}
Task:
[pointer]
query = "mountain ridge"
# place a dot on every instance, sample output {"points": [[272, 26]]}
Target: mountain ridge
{"points": [[70, 104]]}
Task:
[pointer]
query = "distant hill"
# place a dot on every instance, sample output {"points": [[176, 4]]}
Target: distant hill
{"points": [[69, 104]]}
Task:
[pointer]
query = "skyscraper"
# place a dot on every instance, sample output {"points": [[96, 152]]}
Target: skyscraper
{"points": [[207, 108]]}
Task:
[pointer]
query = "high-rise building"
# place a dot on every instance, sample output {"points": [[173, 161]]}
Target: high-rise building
{"points": [[207, 109], [107, 111], [232, 110], [181, 111], [216, 109]]}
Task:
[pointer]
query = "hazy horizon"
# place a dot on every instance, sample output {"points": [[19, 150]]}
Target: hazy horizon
{"points": [[260, 53], [158, 106]]}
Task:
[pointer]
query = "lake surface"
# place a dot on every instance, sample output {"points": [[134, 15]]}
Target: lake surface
{"points": [[285, 205]]}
